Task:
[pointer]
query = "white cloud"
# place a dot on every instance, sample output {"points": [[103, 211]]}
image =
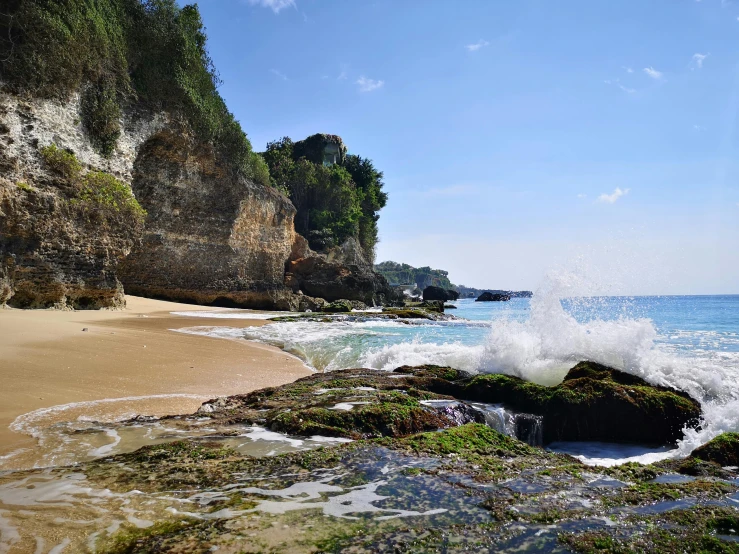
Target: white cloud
{"points": [[611, 198], [582, 195], [628, 69], [477, 45], [368, 85], [278, 74], [275, 5], [698, 127], [653, 73], [698, 60]]}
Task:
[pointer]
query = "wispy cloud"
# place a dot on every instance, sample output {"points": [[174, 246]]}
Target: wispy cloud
{"points": [[278, 74], [344, 73], [617, 82], [275, 5], [368, 85], [612, 198], [653, 73], [477, 45], [698, 128], [582, 195], [698, 60], [627, 69]]}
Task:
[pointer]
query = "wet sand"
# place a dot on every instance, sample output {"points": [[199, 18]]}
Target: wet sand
{"points": [[46, 360]]}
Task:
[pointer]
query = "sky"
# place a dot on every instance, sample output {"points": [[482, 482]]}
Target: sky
{"points": [[517, 138]]}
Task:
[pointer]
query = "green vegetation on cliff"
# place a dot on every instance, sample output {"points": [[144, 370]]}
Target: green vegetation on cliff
{"points": [[337, 196], [117, 53], [404, 274]]}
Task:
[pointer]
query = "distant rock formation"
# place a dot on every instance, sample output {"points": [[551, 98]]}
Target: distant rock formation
{"points": [[438, 293], [490, 297]]}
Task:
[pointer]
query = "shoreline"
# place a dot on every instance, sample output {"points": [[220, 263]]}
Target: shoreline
{"points": [[109, 364]]}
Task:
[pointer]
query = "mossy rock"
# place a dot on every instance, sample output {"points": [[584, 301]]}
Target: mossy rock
{"points": [[337, 306], [723, 450], [594, 403]]}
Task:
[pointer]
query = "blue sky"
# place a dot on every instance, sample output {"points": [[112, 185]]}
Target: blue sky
{"points": [[515, 137]]}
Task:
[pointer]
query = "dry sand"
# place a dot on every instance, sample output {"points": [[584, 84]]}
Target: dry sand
{"points": [[46, 359]]}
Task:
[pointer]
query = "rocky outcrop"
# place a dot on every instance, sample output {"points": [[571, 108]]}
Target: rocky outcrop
{"points": [[317, 276], [491, 297], [438, 293], [593, 403], [210, 237]]}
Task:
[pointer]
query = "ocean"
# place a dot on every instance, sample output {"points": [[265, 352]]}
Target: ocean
{"points": [[687, 342]]}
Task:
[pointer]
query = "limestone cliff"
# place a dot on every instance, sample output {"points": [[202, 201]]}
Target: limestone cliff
{"points": [[208, 237]]}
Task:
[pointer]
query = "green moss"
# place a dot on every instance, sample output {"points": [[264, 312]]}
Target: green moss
{"points": [[103, 190], [386, 416], [24, 186], [62, 162], [126, 540], [467, 440]]}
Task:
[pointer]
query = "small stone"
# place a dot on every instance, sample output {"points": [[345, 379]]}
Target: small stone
{"points": [[85, 329]]}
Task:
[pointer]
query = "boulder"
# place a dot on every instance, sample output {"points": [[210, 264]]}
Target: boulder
{"points": [[438, 293], [593, 403], [723, 450], [493, 297]]}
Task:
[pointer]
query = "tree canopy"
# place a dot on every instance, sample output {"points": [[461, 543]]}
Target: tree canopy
{"points": [[333, 202]]}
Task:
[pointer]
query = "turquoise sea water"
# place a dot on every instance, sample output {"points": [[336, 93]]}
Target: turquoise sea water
{"points": [[688, 342]]}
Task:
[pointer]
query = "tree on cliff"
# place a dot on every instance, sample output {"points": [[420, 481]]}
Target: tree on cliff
{"points": [[334, 202]]}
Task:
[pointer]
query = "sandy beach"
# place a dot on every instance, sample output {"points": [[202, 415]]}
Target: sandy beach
{"points": [[59, 366]]}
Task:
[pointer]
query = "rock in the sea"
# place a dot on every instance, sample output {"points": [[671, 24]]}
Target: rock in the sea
{"points": [[493, 297], [438, 293], [594, 403], [723, 450]]}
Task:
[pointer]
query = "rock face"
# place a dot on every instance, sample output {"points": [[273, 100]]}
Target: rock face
{"points": [[438, 293], [53, 253], [210, 238], [594, 403], [490, 297]]}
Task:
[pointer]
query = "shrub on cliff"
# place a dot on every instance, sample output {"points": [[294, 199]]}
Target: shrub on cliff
{"points": [[119, 52], [103, 191], [62, 162]]}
